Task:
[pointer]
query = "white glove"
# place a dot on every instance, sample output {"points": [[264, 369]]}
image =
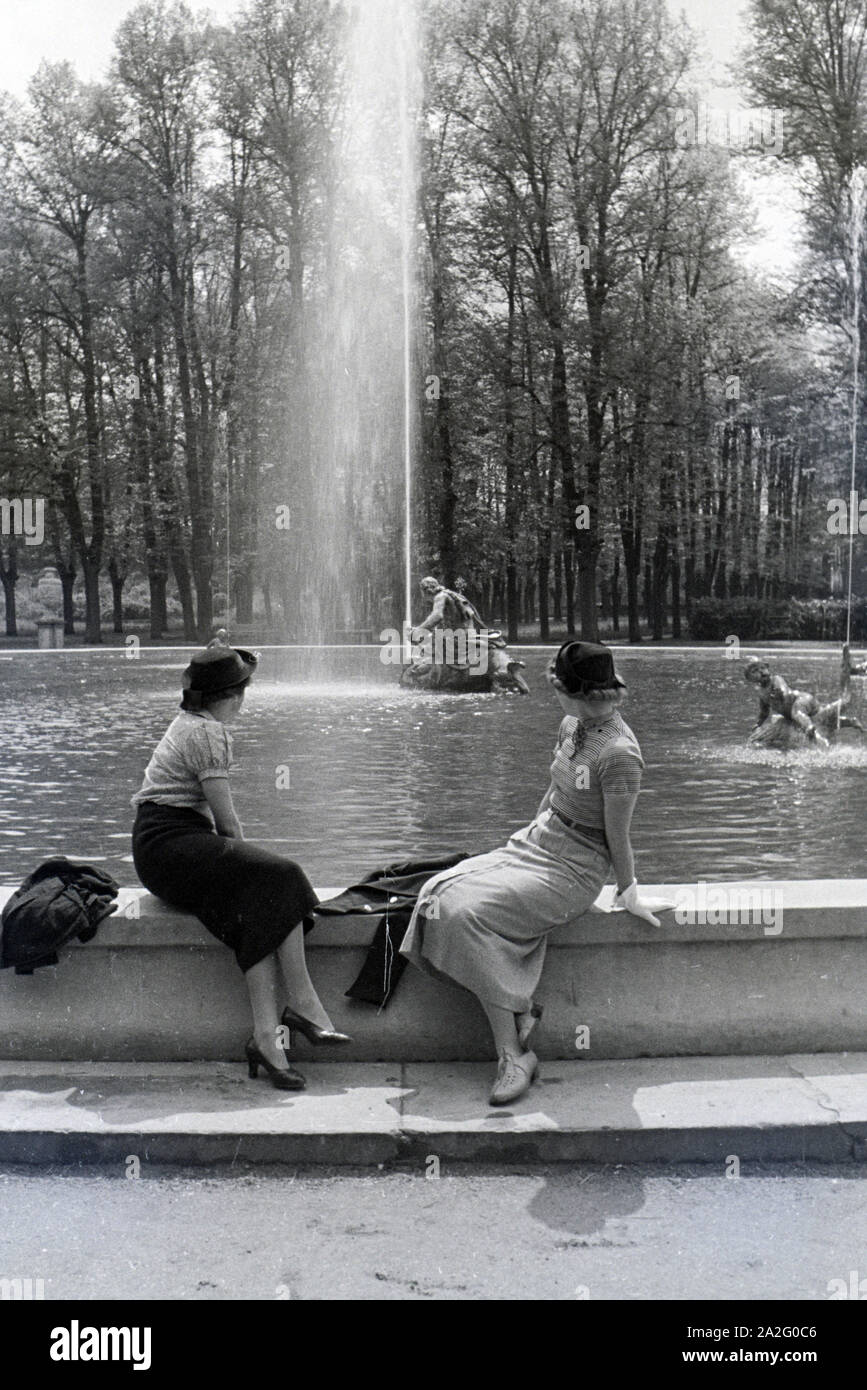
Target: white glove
{"points": [[629, 901]]}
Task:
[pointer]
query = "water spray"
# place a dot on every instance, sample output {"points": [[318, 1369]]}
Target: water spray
{"points": [[406, 46], [857, 190]]}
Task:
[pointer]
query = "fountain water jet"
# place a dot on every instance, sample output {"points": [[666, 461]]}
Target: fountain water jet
{"points": [[408, 181], [857, 205], [352, 426]]}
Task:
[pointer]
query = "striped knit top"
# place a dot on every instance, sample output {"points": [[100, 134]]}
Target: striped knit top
{"points": [[590, 762]]}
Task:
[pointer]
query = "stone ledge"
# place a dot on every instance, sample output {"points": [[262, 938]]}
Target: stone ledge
{"points": [[159, 988], [810, 908]]}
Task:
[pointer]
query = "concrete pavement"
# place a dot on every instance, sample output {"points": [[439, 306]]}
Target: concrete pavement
{"points": [[472, 1234], [718, 1110]]}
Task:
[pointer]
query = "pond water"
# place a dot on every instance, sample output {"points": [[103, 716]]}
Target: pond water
{"points": [[377, 773]]}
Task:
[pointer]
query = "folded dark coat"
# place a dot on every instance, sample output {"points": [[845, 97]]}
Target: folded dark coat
{"points": [[59, 902], [390, 894]]}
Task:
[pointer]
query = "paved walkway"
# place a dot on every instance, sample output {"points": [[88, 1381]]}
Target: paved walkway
{"points": [[555, 1231], [720, 1110]]}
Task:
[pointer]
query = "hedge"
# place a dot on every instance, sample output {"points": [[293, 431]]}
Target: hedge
{"points": [[751, 619]]}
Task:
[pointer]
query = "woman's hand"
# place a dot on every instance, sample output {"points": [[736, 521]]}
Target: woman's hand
{"points": [[627, 900], [219, 797]]}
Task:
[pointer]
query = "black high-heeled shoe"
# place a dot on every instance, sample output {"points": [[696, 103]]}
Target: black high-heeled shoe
{"points": [[319, 1036], [290, 1080]]}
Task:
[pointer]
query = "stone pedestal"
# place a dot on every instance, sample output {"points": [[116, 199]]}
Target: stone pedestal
{"points": [[48, 593], [49, 633]]}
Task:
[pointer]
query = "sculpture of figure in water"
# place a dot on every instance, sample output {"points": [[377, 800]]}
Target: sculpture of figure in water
{"points": [[851, 668], [450, 609], [787, 715], [455, 651]]}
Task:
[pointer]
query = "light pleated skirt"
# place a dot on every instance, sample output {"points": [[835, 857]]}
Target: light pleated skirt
{"points": [[484, 924]]}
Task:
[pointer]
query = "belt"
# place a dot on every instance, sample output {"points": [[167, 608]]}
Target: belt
{"points": [[592, 830]]}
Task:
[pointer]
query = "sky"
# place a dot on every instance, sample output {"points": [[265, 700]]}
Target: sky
{"points": [[82, 32], [721, 25]]}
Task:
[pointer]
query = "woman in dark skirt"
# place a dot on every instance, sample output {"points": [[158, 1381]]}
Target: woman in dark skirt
{"points": [[189, 849]]}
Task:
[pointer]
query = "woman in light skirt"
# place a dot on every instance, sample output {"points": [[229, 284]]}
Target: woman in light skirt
{"points": [[484, 924]]}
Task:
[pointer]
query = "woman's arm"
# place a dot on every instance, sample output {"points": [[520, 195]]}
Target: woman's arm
{"points": [[618, 818], [218, 795]]}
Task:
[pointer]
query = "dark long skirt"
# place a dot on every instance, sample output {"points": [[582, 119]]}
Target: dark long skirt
{"points": [[247, 897]]}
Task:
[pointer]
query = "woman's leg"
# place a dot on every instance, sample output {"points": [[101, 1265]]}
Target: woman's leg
{"points": [[516, 1068], [504, 1029], [263, 986], [300, 989]]}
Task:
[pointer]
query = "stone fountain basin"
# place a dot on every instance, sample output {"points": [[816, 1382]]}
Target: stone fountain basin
{"points": [[154, 986]]}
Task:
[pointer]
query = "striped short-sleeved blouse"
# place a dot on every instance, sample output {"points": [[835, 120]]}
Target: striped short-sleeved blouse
{"points": [[607, 761], [193, 748]]}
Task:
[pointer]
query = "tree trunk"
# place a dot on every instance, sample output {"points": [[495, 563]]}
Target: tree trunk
{"points": [[544, 572], [117, 579], [604, 597], [512, 600], [632, 561], [511, 518], [181, 572], [442, 433], [587, 593], [92, 622], [689, 582], [91, 554], [615, 595], [675, 596], [9, 578], [203, 534], [658, 585], [159, 614], [561, 434], [243, 593], [558, 586], [67, 584], [200, 526], [9, 581]]}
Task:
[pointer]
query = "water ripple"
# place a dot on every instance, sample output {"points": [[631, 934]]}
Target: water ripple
{"points": [[378, 773]]}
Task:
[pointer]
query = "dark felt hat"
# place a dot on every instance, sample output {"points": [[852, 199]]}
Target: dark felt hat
{"points": [[218, 667], [586, 666]]}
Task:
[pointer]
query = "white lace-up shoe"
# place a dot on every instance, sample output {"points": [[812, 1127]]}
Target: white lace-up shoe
{"points": [[515, 1075]]}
